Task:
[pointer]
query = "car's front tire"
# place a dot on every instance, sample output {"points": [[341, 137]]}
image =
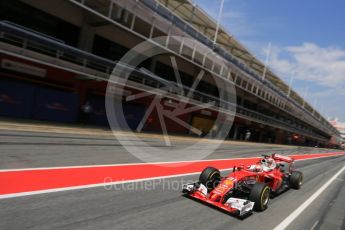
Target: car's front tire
{"points": [[260, 195], [210, 177]]}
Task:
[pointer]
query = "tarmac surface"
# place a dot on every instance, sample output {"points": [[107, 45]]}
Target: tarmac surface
{"points": [[27, 149], [155, 204]]}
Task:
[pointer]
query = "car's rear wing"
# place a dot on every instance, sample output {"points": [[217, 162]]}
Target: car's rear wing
{"points": [[279, 157]]}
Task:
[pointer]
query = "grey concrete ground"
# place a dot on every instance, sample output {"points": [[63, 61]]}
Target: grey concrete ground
{"points": [[20, 149], [155, 204]]}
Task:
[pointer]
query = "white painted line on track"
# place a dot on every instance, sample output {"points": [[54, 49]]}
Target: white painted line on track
{"points": [[288, 220], [21, 194], [127, 164], [335, 154], [314, 225]]}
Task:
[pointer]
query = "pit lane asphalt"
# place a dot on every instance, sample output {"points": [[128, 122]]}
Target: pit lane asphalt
{"points": [[19, 149], [155, 204]]}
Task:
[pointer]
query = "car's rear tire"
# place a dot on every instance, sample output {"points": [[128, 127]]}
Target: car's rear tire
{"points": [[296, 180], [260, 195], [210, 177]]}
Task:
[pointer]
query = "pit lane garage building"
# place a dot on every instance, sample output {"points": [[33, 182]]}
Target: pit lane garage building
{"points": [[57, 55], [340, 126]]}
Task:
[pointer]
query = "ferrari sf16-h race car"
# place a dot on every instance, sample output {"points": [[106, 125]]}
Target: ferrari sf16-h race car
{"points": [[247, 188]]}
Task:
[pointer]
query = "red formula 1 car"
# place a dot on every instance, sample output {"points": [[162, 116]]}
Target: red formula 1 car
{"points": [[247, 188]]}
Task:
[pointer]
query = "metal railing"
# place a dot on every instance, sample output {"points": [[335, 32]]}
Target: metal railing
{"points": [[184, 26], [24, 43]]}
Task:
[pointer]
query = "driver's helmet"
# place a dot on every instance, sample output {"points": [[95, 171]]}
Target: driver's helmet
{"points": [[268, 164]]}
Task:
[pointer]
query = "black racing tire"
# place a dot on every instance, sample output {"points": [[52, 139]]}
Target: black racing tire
{"points": [[210, 177], [296, 179], [260, 195]]}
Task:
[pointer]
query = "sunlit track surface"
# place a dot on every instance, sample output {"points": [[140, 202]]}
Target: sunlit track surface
{"points": [[161, 205], [154, 204], [31, 150]]}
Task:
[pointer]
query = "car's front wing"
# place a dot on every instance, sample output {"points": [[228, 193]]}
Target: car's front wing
{"points": [[236, 206]]}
